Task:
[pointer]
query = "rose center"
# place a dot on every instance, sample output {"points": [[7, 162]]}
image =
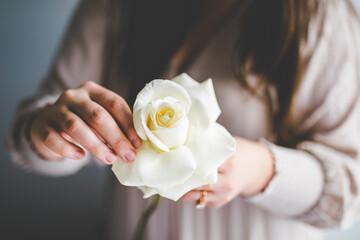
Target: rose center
{"points": [[165, 117]]}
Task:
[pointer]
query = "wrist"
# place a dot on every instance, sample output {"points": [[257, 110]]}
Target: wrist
{"points": [[264, 170]]}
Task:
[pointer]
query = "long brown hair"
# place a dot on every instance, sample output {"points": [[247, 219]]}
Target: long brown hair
{"points": [[268, 46], [272, 33]]}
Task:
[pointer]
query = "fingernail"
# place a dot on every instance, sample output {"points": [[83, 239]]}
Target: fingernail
{"points": [[136, 142], [130, 155], [78, 154], [110, 157]]}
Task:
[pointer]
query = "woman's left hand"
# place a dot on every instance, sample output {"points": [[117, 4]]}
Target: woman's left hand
{"points": [[245, 173]]}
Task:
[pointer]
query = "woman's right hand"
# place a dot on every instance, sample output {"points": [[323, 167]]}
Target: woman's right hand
{"points": [[89, 116]]}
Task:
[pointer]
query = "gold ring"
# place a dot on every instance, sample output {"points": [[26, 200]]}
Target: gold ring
{"points": [[201, 203]]}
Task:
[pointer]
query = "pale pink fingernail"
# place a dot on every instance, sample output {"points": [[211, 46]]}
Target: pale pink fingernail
{"points": [[110, 157], [130, 155], [78, 154]]}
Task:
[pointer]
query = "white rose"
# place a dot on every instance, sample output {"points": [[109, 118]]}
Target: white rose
{"points": [[183, 145]]}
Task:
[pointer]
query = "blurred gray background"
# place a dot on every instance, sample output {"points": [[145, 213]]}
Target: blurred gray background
{"points": [[32, 206]]}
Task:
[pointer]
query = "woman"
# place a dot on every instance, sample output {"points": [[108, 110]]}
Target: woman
{"points": [[283, 70]]}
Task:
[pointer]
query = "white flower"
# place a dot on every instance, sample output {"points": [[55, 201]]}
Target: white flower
{"points": [[183, 145]]}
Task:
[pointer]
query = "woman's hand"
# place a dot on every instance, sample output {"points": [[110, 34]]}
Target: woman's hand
{"points": [[245, 173], [90, 116]]}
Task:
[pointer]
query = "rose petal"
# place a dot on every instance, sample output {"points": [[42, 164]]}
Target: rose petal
{"points": [[175, 136], [126, 173], [205, 108], [159, 169], [220, 145], [176, 192], [179, 112], [172, 173], [157, 143], [185, 80], [138, 125], [147, 191], [154, 90], [158, 89]]}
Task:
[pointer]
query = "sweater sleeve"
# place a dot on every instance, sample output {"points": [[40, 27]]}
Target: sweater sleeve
{"points": [[79, 59], [318, 181]]}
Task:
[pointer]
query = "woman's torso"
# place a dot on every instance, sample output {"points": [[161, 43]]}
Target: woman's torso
{"points": [[243, 115]]}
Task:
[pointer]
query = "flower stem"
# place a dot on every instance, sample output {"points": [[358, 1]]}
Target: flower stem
{"points": [[141, 226]]}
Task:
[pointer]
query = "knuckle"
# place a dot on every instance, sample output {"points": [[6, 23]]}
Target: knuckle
{"points": [[88, 84], [67, 94], [72, 125], [98, 117], [63, 117], [48, 137], [116, 104]]}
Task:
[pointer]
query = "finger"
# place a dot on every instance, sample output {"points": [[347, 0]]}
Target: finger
{"points": [[79, 131], [227, 166], [205, 187], [217, 200], [67, 137], [220, 186], [222, 169], [119, 109], [195, 195], [55, 142], [104, 124], [212, 199], [215, 204]]}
